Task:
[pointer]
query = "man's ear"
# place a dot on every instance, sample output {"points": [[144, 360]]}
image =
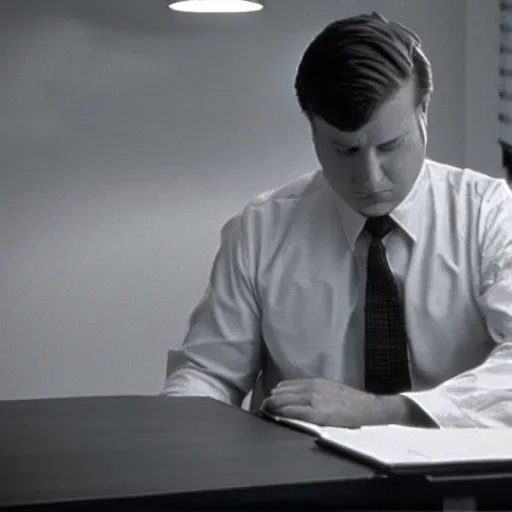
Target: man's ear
{"points": [[423, 111], [423, 120], [311, 119]]}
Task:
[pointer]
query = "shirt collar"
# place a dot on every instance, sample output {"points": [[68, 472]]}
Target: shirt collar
{"points": [[407, 214]]}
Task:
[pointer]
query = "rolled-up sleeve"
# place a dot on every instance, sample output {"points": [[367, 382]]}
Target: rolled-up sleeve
{"points": [[482, 396], [220, 357]]}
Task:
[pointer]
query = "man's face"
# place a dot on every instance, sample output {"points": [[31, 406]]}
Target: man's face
{"points": [[373, 169]]}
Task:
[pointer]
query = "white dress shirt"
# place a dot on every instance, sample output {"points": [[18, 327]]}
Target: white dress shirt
{"points": [[286, 294]]}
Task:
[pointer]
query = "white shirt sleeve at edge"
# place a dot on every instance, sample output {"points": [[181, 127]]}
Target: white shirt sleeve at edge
{"points": [[482, 397]]}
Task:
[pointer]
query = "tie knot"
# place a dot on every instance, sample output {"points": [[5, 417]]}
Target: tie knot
{"points": [[379, 227]]}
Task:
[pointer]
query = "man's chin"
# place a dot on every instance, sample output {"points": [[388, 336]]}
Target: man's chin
{"points": [[374, 210]]}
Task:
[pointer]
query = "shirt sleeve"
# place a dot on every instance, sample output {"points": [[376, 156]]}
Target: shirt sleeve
{"points": [[482, 396], [220, 357]]}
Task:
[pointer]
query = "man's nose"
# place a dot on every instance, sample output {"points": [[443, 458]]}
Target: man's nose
{"points": [[368, 176]]}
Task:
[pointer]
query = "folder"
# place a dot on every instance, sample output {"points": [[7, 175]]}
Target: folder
{"points": [[400, 449]]}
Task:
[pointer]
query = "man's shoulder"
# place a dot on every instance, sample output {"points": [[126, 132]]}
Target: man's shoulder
{"points": [[461, 181], [274, 208], [291, 191]]}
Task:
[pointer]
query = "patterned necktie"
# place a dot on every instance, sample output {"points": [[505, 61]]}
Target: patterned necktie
{"points": [[386, 358]]}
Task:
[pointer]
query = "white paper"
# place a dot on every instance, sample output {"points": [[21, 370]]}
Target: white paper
{"points": [[410, 446], [305, 426], [397, 445]]}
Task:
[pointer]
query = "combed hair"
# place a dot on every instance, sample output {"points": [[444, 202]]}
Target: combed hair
{"points": [[356, 64]]}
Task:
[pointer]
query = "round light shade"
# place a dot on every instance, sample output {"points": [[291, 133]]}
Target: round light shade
{"points": [[216, 5]]}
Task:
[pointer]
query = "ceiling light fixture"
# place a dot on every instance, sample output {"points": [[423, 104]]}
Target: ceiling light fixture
{"points": [[222, 6]]}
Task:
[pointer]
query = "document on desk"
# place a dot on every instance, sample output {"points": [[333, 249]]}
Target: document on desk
{"points": [[396, 447], [304, 426]]}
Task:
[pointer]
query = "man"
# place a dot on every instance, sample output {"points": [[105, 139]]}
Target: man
{"points": [[377, 290]]}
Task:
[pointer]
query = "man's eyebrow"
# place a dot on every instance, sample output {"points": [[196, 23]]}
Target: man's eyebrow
{"points": [[389, 141]]}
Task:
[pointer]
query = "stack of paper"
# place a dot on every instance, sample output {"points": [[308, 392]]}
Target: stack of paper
{"points": [[409, 447], [304, 426], [399, 447]]}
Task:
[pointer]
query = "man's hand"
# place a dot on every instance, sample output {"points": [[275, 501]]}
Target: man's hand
{"points": [[329, 403]]}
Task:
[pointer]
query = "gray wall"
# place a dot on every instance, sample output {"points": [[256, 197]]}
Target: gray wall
{"points": [[128, 135]]}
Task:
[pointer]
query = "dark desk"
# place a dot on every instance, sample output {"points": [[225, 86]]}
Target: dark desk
{"points": [[157, 453]]}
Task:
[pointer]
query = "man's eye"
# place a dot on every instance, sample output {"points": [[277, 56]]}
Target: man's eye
{"points": [[345, 151], [389, 146]]}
